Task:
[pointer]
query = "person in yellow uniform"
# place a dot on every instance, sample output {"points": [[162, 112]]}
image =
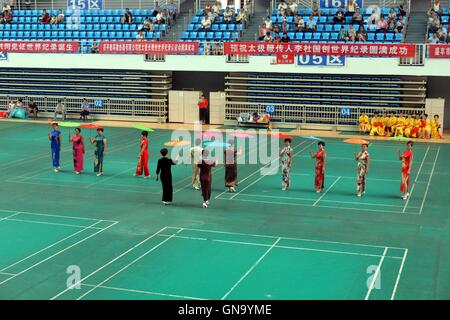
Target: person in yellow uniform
{"points": [[409, 125], [364, 125], [415, 132], [400, 125], [383, 123], [427, 127], [375, 125], [435, 127], [392, 121]]}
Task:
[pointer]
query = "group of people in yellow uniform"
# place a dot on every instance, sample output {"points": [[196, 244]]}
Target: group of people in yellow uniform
{"points": [[390, 125]]}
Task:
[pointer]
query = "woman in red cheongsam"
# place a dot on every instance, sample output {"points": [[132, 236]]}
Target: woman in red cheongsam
{"points": [[406, 158], [142, 166], [321, 157]]}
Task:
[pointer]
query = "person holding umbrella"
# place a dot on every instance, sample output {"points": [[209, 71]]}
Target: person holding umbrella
{"points": [[164, 168], [142, 166], [78, 150], [321, 159], [286, 164], [406, 158], [231, 154], [196, 158], [363, 159], [55, 144], [100, 150]]}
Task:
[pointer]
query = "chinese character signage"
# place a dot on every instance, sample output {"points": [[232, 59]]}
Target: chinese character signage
{"points": [[39, 46], [285, 58], [149, 47], [333, 49], [439, 51]]}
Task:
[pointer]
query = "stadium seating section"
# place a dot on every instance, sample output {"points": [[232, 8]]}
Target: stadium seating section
{"points": [[327, 31]]}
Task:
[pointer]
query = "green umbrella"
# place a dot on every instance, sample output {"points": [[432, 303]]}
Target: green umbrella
{"points": [[143, 128], [68, 124], [400, 138]]}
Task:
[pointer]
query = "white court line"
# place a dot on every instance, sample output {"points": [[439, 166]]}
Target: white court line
{"points": [[350, 159], [399, 274], [79, 187], [54, 223], [334, 201], [12, 215], [107, 264], [57, 253], [329, 188], [54, 215], [144, 292], [263, 176], [429, 181], [284, 238], [352, 177], [128, 265], [250, 270], [7, 273], [49, 246], [417, 176], [100, 179], [279, 246], [308, 205], [375, 276]]}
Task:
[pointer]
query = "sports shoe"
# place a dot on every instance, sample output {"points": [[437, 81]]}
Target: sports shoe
{"points": [[205, 205], [56, 170], [77, 172]]}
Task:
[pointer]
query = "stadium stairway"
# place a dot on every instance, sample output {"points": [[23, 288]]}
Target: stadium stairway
{"points": [[175, 33], [251, 34], [417, 26]]}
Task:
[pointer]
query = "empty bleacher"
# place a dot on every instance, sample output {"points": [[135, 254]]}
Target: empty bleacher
{"points": [[319, 99], [122, 93]]}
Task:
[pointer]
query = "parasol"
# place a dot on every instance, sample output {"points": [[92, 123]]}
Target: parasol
{"points": [[356, 141], [176, 143], [310, 137], [209, 135], [68, 124], [242, 135], [215, 144], [400, 138], [279, 135], [143, 128]]}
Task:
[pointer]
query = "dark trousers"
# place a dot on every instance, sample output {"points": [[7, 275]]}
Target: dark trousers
{"points": [[167, 187], [204, 115]]}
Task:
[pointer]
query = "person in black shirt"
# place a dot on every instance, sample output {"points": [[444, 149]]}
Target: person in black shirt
{"points": [[32, 108], [165, 169]]}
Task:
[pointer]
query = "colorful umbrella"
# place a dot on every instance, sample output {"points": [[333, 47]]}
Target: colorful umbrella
{"points": [[89, 126], [143, 128], [310, 137], [241, 135], [209, 135], [356, 141], [279, 135], [176, 143], [400, 138], [217, 144], [68, 124]]}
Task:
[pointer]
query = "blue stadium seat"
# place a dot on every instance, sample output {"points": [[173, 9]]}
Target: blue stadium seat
{"points": [[185, 35], [380, 37], [389, 37], [371, 37], [399, 37]]}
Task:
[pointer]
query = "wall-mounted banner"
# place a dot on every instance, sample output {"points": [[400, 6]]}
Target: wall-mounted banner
{"points": [[325, 61], [149, 47], [320, 49], [439, 51], [285, 58], [84, 4], [39, 46], [338, 3]]}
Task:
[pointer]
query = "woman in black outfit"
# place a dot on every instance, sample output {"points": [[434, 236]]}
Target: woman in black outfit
{"points": [[165, 168]]}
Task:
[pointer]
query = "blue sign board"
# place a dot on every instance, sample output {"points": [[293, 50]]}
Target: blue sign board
{"points": [[98, 103], [3, 55], [84, 4], [345, 112], [338, 3], [326, 61], [270, 109]]}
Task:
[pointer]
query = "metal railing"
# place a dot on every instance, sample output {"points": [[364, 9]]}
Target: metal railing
{"points": [[418, 60]]}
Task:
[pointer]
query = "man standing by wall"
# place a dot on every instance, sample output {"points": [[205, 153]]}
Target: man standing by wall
{"points": [[203, 108]]}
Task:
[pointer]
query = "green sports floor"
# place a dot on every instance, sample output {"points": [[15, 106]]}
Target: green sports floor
{"points": [[258, 243]]}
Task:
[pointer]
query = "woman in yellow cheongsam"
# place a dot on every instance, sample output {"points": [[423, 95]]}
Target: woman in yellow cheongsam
{"points": [[427, 127], [375, 125], [415, 132], [400, 125], [391, 122]]}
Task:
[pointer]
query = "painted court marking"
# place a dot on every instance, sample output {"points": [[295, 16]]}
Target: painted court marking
{"points": [[429, 181], [324, 194], [375, 276]]}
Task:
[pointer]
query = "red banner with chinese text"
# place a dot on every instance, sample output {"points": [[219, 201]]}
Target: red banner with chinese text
{"points": [[149, 47], [439, 51], [39, 46], [285, 58], [338, 49]]}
